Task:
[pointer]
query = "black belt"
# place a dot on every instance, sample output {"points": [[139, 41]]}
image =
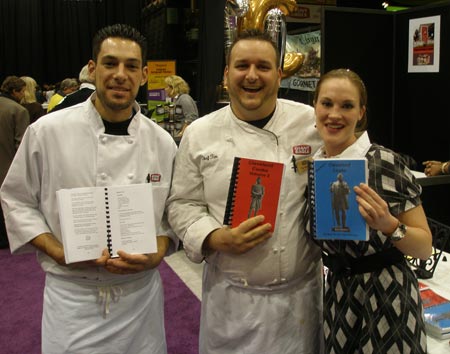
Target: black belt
{"points": [[346, 266]]}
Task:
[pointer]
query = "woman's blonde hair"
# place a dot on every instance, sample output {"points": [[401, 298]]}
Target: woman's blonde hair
{"points": [[177, 83], [30, 90]]}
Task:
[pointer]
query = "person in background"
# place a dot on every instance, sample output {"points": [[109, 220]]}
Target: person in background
{"points": [[178, 90], [372, 302], [14, 120], [40, 95], [29, 100], [109, 305], [48, 90], [66, 87], [261, 290], [436, 168], [86, 89]]}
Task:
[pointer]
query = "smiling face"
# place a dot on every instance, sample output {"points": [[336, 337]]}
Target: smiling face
{"points": [[253, 78], [338, 111], [118, 75]]}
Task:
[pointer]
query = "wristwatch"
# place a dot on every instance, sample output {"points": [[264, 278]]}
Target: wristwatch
{"points": [[398, 233]]}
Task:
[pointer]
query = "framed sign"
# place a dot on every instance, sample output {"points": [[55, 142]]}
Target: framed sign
{"points": [[424, 41]]}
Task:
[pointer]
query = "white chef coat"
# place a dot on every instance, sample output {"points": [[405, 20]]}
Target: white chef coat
{"points": [[69, 149], [196, 207]]}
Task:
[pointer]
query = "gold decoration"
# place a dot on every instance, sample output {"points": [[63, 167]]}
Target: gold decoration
{"points": [[254, 18], [247, 14], [292, 63]]}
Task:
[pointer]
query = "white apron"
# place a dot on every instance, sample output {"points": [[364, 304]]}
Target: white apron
{"points": [[92, 319]]}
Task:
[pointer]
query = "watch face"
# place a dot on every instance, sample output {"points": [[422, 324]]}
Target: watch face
{"points": [[399, 233]]}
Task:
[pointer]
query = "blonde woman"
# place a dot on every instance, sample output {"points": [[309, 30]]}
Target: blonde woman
{"points": [[29, 100], [178, 90]]}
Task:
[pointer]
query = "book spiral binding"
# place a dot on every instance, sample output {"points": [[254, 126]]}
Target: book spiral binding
{"points": [[231, 198], [311, 199], [108, 224]]}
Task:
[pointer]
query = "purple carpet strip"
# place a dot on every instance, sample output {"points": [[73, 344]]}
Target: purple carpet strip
{"points": [[21, 287]]}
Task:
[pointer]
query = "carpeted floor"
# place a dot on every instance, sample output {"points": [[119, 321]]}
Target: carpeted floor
{"points": [[21, 286]]}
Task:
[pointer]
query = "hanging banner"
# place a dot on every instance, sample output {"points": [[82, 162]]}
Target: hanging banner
{"points": [[309, 73]]}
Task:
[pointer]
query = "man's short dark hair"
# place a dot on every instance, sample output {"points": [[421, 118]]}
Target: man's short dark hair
{"points": [[256, 35], [11, 84], [119, 31]]}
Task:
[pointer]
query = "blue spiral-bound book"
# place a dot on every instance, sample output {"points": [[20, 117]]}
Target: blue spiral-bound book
{"points": [[333, 207]]}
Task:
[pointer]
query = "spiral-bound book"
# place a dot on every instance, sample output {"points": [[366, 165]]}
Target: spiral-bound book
{"points": [[254, 190], [332, 202], [110, 217]]}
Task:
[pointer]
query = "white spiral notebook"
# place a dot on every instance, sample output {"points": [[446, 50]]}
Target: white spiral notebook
{"points": [[112, 217]]}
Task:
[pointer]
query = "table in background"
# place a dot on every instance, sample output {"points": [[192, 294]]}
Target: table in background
{"points": [[440, 284]]}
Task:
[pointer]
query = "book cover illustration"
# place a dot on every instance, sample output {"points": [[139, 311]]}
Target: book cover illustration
{"points": [[333, 205], [436, 313], [254, 190]]}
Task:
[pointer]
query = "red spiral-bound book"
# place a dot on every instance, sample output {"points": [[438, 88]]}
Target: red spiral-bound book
{"points": [[255, 187]]}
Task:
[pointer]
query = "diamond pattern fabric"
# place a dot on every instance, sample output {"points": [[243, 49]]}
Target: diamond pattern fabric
{"points": [[378, 312]]}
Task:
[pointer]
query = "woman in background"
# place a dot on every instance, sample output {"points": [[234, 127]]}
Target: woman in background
{"points": [[178, 90], [373, 305], [29, 100]]}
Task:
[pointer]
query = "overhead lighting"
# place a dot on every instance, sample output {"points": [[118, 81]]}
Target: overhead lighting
{"points": [[385, 4]]}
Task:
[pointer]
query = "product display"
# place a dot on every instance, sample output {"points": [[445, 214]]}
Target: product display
{"points": [[436, 313]]}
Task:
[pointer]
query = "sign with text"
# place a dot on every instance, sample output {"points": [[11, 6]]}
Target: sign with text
{"points": [[305, 13], [306, 78], [157, 71]]}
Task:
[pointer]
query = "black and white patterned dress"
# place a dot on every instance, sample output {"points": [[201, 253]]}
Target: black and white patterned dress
{"points": [[378, 312]]}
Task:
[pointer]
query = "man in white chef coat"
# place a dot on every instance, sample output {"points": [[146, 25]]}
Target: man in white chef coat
{"points": [[261, 289], [107, 305]]}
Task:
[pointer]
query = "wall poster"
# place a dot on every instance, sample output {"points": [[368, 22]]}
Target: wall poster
{"points": [[424, 40], [309, 73], [158, 70]]}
